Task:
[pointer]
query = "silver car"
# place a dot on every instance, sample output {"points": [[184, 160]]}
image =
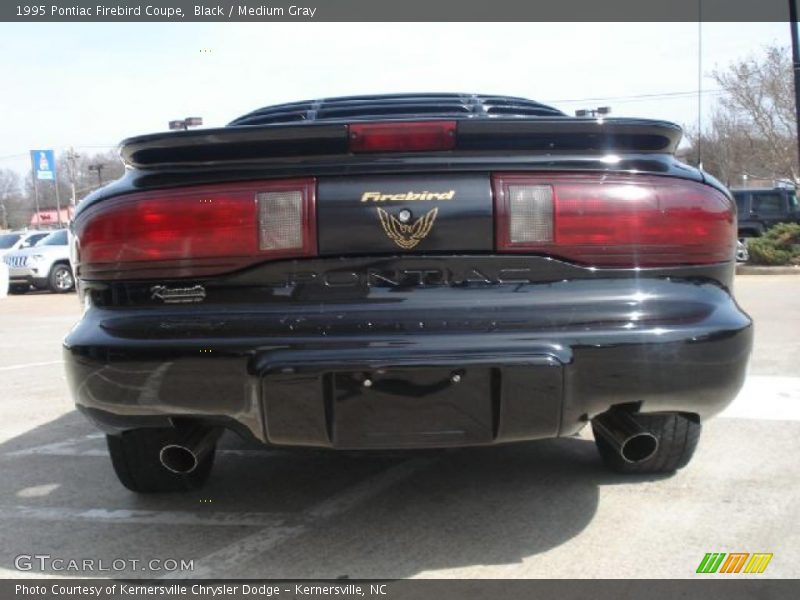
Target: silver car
{"points": [[45, 265], [742, 253]]}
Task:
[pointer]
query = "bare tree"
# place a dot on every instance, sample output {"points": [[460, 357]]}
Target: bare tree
{"points": [[752, 131], [9, 192], [85, 180]]}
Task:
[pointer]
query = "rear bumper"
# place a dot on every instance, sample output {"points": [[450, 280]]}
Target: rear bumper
{"points": [[533, 360]]}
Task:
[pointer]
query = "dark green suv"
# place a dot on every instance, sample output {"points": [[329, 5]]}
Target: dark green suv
{"points": [[762, 208]]}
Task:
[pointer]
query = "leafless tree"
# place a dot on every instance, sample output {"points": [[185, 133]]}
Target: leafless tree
{"points": [[9, 192], [85, 180], [752, 131]]}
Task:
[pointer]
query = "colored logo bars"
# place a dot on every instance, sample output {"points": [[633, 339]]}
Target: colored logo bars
{"points": [[736, 562]]}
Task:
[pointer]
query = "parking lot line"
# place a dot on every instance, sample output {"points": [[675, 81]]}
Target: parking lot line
{"points": [[71, 447], [762, 398], [142, 517], [30, 365], [60, 450], [66, 447], [251, 546]]}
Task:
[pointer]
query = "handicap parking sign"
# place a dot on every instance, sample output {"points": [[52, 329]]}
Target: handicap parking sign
{"points": [[44, 164]]}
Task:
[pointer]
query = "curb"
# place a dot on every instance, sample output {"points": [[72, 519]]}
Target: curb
{"points": [[760, 270]]}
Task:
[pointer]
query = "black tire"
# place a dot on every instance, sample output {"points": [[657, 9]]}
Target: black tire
{"points": [[60, 280], [677, 440], [19, 288], [135, 458]]}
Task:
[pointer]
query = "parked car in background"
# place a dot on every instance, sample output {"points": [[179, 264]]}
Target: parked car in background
{"points": [[761, 208], [17, 240], [742, 253], [44, 266]]}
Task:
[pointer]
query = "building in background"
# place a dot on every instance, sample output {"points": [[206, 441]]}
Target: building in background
{"points": [[49, 217]]}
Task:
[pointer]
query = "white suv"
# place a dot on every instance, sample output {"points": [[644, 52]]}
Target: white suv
{"points": [[45, 265]]}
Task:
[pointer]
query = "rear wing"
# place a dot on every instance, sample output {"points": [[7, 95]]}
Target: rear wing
{"points": [[289, 142]]}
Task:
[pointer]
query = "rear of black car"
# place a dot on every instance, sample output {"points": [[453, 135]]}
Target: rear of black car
{"points": [[405, 272]]}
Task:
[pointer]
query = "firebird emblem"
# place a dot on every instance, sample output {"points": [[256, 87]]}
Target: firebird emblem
{"points": [[407, 235]]}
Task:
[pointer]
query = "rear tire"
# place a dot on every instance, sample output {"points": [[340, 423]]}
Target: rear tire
{"points": [[135, 458], [677, 440], [60, 279]]}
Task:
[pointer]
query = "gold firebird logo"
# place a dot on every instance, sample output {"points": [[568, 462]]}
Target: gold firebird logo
{"points": [[409, 196], [407, 235]]}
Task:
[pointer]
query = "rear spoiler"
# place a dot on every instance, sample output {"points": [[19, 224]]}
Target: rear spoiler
{"points": [[561, 135]]}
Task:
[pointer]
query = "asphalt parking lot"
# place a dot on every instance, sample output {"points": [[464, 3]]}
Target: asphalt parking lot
{"points": [[543, 509]]}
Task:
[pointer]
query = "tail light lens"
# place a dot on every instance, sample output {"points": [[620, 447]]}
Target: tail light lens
{"points": [[402, 136], [195, 231], [614, 220]]}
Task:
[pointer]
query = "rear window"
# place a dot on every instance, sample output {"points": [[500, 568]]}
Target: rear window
{"points": [[8, 240], [57, 238], [741, 202], [768, 204]]}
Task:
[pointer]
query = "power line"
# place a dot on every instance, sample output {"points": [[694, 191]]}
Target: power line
{"points": [[26, 154], [635, 97]]}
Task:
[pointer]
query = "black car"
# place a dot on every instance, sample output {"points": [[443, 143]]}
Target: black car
{"points": [[762, 208], [405, 271]]}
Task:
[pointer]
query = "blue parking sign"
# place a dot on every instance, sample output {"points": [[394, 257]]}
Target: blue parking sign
{"points": [[44, 164]]}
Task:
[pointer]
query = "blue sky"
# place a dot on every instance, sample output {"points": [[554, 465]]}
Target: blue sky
{"points": [[91, 85]]}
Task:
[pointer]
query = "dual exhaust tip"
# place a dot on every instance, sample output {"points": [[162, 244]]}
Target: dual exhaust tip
{"points": [[618, 428], [189, 449], [625, 435]]}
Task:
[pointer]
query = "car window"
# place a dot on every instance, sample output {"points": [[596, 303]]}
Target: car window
{"points": [[741, 202], [792, 201], [9, 239], [32, 240], [57, 238], [768, 203]]}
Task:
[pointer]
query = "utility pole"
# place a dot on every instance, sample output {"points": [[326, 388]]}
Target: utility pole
{"points": [[35, 193], [58, 198], [700, 85], [796, 65], [71, 157], [99, 168]]}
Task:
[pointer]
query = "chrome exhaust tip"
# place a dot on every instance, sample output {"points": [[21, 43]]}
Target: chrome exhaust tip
{"points": [[183, 456], [625, 435]]}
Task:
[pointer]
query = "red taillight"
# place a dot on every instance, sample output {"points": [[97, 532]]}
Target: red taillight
{"points": [[614, 220], [402, 136], [197, 231]]}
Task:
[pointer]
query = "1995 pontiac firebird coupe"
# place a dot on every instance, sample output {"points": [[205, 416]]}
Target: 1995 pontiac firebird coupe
{"points": [[405, 271]]}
